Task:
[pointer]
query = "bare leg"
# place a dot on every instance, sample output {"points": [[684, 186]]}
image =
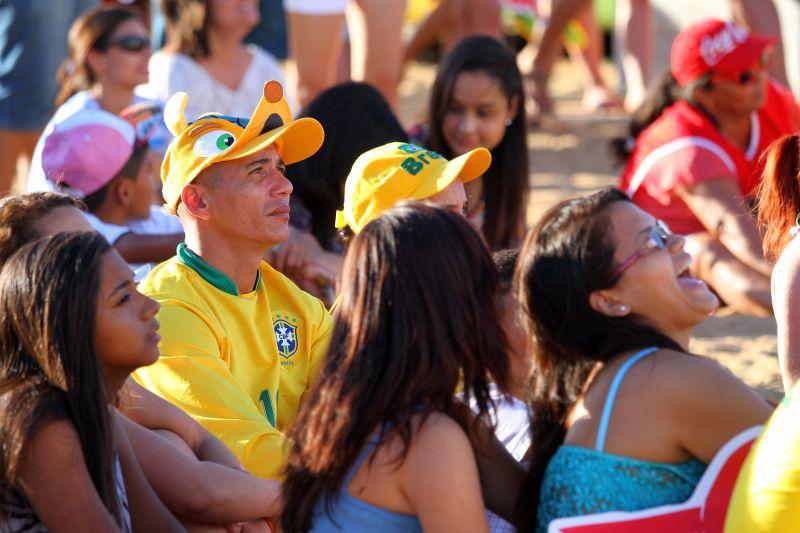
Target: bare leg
{"points": [[16, 149], [634, 30], [761, 16], [595, 92], [549, 48], [744, 290], [376, 43], [429, 30], [315, 44]]}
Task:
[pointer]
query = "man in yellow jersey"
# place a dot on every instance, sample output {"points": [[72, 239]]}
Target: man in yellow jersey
{"points": [[240, 343]]}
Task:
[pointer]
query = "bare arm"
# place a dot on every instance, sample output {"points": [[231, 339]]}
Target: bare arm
{"points": [[135, 248], [153, 412], [710, 405], [198, 490], [719, 206], [786, 305], [148, 513], [57, 483], [440, 479]]}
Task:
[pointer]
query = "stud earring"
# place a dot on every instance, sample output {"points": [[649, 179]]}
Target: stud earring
{"points": [[508, 122], [623, 309]]}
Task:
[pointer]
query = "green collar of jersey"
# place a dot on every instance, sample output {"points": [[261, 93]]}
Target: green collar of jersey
{"points": [[209, 273]]}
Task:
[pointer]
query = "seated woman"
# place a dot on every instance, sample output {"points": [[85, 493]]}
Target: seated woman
{"points": [[692, 155], [478, 100], [382, 444], [67, 462], [195, 474], [625, 418], [206, 57], [779, 216]]}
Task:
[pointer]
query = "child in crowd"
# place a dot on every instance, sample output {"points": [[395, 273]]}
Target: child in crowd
{"points": [[65, 303], [193, 486], [605, 286], [97, 156], [779, 218], [382, 444], [108, 50], [478, 100]]}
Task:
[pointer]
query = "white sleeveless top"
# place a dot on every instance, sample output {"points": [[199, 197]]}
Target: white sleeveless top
{"points": [[171, 73]]}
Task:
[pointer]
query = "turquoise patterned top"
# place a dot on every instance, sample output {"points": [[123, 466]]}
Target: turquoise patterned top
{"points": [[580, 481]]}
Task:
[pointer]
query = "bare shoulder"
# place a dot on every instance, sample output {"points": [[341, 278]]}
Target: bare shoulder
{"points": [[436, 438], [785, 274], [686, 371], [53, 444]]}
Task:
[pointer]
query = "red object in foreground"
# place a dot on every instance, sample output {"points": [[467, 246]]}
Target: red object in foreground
{"points": [[704, 512]]}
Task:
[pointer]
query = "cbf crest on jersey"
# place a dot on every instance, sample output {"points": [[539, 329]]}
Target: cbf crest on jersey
{"points": [[286, 337]]}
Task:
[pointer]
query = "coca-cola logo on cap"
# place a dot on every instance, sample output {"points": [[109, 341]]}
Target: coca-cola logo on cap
{"points": [[714, 47]]}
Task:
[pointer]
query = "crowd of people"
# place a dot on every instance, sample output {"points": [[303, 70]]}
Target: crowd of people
{"points": [[231, 304]]}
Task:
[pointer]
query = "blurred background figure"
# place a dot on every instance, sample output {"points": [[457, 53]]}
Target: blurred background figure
{"points": [[316, 36], [32, 37]]}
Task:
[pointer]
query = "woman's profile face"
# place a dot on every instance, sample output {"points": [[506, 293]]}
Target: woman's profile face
{"points": [[126, 329], [657, 285], [477, 113]]}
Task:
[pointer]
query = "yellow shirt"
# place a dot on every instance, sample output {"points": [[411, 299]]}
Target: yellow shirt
{"points": [[767, 492], [239, 364]]}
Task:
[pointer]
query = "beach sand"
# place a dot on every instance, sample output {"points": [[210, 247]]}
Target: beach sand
{"points": [[577, 161]]}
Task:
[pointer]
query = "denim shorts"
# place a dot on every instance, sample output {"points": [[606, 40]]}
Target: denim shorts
{"points": [[33, 43]]}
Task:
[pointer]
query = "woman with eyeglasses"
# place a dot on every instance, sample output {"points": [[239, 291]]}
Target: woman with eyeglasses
{"points": [[107, 53], [693, 150], [626, 418]]}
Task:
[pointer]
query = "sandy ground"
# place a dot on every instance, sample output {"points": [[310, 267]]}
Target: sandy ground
{"points": [[576, 162]]}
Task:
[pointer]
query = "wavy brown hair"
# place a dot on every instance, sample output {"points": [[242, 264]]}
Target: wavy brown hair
{"points": [[187, 27], [779, 194], [18, 216], [566, 257], [50, 369], [417, 318], [90, 31]]}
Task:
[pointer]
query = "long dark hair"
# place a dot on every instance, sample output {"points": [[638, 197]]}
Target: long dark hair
{"points": [[568, 256], [417, 317], [50, 369], [779, 194], [666, 93], [91, 31], [505, 184], [187, 26], [356, 118]]}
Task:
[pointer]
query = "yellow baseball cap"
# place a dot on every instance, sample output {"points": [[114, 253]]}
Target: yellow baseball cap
{"points": [[213, 138], [399, 171]]}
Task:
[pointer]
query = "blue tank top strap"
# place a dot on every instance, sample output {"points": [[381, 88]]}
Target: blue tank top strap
{"points": [[602, 430]]}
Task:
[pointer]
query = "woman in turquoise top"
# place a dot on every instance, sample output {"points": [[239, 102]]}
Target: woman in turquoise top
{"points": [[382, 444], [626, 418]]}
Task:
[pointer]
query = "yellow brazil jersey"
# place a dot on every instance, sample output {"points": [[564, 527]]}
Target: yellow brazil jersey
{"points": [[767, 492], [239, 364]]}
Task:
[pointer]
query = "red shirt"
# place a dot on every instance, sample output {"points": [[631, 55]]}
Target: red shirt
{"points": [[683, 148]]}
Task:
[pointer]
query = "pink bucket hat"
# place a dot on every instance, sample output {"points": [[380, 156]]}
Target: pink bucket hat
{"points": [[88, 149]]}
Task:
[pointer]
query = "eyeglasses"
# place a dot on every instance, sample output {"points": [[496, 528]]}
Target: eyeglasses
{"points": [[131, 43], [656, 240]]}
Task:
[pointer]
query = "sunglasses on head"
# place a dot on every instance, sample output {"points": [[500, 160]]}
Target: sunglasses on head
{"points": [[656, 240], [131, 43]]}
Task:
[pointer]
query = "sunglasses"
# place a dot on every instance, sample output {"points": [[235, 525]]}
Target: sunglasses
{"points": [[750, 75], [131, 43], [656, 240]]}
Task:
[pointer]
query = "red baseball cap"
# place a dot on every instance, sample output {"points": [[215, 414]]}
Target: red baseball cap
{"points": [[715, 46]]}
